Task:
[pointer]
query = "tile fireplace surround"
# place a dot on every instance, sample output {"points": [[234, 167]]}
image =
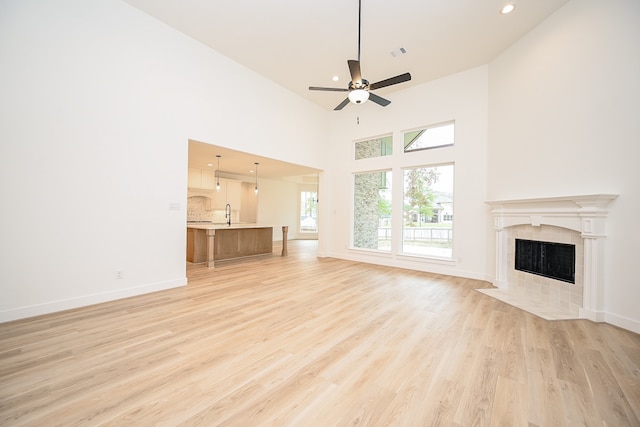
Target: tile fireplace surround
{"points": [[578, 220]]}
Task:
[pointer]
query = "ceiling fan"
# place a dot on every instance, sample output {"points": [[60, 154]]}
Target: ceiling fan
{"points": [[360, 89]]}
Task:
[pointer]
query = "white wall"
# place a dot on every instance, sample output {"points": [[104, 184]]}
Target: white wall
{"points": [[98, 103], [564, 104], [461, 97]]}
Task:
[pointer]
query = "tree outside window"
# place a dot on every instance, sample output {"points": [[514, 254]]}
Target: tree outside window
{"points": [[428, 211]]}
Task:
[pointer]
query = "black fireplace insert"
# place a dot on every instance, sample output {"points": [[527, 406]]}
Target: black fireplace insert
{"points": [[548, 259]]}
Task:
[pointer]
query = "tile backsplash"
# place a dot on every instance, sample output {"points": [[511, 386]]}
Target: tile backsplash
{"points": [[197, 211]]}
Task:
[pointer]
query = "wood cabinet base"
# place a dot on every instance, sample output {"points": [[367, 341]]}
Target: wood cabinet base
{"points": [[223, 244]]}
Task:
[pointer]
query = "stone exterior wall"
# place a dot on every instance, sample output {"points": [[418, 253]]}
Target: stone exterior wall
{"points": [[366, 215], [369, 149]]}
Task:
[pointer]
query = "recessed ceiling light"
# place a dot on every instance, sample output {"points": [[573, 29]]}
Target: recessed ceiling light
{"points": [[335, 78], [209, 164], [508, 8]]}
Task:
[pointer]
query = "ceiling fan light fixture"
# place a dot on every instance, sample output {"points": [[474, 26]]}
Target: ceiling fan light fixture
{"points": [[358, 96], [358, 87]]}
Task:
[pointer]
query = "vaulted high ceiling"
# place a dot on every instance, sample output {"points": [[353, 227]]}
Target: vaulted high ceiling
{"points": [[302, 43]]}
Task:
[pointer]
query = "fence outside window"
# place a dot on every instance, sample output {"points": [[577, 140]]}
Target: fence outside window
{"points": [[419, 234]]}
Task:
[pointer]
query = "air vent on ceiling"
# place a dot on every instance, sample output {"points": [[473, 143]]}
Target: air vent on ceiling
{"points": [[398, 52]]}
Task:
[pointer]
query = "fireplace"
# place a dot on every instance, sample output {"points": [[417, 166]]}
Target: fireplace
{"points": [[547, 259], [563, 227]]}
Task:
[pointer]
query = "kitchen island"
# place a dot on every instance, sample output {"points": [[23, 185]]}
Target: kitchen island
{"points": [[208, 243]]}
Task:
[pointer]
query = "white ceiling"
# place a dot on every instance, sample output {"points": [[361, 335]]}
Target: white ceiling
{"points": [[238, 163], [302, 43]]}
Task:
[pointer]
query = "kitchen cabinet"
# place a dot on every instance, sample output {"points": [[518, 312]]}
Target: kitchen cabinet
{"points": [[229, 193], [208, 180], [219, 197], [249, 203], [234, 192], [201, 179], [209, 243], [230, 190]]}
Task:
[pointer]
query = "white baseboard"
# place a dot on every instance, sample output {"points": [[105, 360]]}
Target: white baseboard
{"points": [[623, 322], [426, 265], [85, 300], [612, 319]]}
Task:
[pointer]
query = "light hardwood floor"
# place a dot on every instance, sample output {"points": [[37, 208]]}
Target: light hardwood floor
{"points": [[301, 341]]}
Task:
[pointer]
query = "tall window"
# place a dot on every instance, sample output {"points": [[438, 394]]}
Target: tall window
{"points": [[372, 210], [428, 211], [308, 212]]}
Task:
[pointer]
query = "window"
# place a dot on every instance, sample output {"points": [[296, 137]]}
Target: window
{"points": [[440, 135], [377, 147], [428, 211], [308, 212], [372, 210]]}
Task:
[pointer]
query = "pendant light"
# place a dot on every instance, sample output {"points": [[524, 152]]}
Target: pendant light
{"points": [[218, 173], [256, 189]]}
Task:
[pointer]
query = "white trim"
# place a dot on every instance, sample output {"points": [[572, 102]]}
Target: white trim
{"points": [[622, 322], [585, 214], [67, 304]]}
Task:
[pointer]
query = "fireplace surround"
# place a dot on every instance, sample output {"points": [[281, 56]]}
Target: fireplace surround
{"points": [[578, 220]]}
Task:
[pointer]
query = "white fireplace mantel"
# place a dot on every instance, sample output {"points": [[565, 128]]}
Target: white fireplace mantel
{"points": [[585, 214]]}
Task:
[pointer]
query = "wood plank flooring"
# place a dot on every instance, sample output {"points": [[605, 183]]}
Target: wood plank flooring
{"points": [[301, 341]]}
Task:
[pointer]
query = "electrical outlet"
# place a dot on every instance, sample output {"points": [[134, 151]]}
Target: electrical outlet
{"points": [[119, 275]]}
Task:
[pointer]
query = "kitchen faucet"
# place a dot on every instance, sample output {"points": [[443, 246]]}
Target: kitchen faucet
{"points": [[227, 214]]}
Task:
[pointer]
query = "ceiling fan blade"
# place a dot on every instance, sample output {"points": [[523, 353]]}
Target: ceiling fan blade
{"points": [[329, 89], [354, 69], [378, 99], [391, 81], [341, 105]]}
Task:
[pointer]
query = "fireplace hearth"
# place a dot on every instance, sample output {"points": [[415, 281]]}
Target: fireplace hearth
{"points": [[564, 222]]}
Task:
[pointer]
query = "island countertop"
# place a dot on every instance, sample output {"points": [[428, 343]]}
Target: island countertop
{"points": [[216, 226]]}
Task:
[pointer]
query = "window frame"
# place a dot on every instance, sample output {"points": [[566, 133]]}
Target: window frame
{"points": [[352, 244], [301, 191], [401, 251], [423, 129], [379, 137]]}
